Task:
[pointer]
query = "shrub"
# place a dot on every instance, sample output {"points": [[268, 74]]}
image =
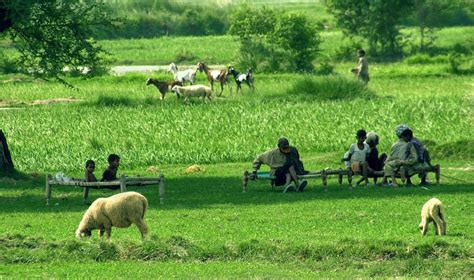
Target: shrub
{"points": [[107, 101], [324, 69], [8, 65], [347, 50], [454, 60], [184, 55], [425, 59], [330, 88]]}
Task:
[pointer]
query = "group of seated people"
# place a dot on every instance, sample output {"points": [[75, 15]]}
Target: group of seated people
{"points": [[407, 157], [109, 174]]}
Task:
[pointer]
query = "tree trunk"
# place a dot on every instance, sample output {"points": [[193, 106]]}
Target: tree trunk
{"points": [[6, 163]]}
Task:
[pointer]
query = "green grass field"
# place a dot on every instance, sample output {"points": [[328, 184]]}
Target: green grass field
{"points": [[207, 227]]}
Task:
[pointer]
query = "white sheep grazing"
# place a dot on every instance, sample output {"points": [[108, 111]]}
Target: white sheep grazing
{"points": [[120, 210], [433, 211], [193, 91]]}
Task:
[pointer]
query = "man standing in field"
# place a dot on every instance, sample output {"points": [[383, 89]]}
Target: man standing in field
{"points": [[362, 70], [284, 164]]}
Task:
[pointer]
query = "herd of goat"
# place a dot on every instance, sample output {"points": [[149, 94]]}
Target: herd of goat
{"points": [[222, 76]]}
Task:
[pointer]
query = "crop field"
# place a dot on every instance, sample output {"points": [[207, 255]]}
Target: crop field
{"points": [[208, 228]]}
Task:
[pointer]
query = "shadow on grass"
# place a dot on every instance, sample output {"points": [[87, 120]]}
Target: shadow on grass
{"points": [[191, 192]]}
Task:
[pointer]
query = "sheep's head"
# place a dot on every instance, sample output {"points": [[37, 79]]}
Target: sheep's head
{"points": [[148, 81], [83, 233], [175, 89], [420, 227]]}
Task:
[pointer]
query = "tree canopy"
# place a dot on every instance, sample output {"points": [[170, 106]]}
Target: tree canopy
{"points": [[270, 40], [53, 34], [377, 21]]}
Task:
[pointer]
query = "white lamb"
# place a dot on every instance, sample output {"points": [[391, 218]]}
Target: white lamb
{"points": [[193, 91], [120, 210], [433, 211], [188, 75]]}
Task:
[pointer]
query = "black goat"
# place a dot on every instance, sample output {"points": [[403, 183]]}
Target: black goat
{"points": [[239, 78]]}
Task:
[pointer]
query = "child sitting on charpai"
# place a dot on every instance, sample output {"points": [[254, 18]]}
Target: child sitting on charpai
{"points": [[355, 158], [374, 161], [89, 177]]}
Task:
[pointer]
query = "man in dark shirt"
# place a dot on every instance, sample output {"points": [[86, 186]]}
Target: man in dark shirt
{"points": [[285, 164]]}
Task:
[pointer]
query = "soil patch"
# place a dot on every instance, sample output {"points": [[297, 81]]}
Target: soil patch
{"points": [[54, 101]]}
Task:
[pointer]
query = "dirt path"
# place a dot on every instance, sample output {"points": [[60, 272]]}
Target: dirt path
{"points": [[124, 69]]}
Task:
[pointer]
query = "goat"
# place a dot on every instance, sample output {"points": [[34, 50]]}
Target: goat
{"points": [[239, 78], [188, 75], [163, 87], [215, 75]]}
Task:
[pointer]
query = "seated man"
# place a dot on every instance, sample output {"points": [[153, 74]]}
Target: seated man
{"points": [[284, 164], [423, 158], [404, 157], [400, 154]]}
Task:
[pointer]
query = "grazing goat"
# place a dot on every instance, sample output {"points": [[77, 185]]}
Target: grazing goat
{"points": [[193, 91], [188, 75], [163, 87], [433, 211], [239, 78], [214, 76], [120, 210]]}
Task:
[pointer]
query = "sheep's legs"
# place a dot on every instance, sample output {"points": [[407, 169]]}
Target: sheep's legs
{"points": [[440, 225], [108, 232], [436, 226], [143, 228]]}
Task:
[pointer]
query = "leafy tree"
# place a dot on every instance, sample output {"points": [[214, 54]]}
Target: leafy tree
{"points": [[252, 26], [299, 38], [375, 20], [247, 22], [52, 34], [426, 13], [269, 40]]}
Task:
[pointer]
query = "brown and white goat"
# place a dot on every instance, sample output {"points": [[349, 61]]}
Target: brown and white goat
{"points": [[215, 76]]}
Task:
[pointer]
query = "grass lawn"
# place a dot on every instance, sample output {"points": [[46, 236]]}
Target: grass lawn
{"points": [[207, 227]]}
